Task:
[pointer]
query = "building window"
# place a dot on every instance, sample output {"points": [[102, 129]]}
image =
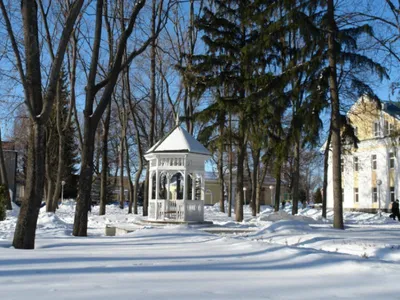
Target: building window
{"points": [[377, 131], [342, 164], [374, 162], [392, 193], [374, 194], [355, 162], [391, 160], [355, 194], [388, 128]]}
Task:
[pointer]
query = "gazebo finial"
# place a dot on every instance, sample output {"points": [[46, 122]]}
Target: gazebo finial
{"points": [[177, 119]]}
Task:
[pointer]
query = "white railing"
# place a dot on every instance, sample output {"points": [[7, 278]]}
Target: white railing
{"points": [[179, 210]]}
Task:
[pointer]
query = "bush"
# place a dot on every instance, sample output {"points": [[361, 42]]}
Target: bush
{"points": [[2, 202]]}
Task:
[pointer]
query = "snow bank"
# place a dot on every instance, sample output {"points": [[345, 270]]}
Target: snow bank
{"points": [[283, 215]]}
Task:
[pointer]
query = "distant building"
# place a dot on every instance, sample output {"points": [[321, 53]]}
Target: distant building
{"points": [[374, 161], [113, 191], [267, 190], [10, 159]]}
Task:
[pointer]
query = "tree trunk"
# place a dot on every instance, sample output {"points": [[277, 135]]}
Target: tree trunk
{"points": [[49, 177], [128, 170], [85, 179], [24, 235], [259, 188], [152, 101], [241, 151], [335, 117], [3, 173], [153, 76], [326, 166], [60, 168], [254, 181], [230, 168], [296, 177], [277, 189], [221, 164], [221, 181], [121, 170], [61, 139], [104, 162], [50, 188]]}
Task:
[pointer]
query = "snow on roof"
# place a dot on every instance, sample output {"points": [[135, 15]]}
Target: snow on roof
{"points": [[179, 140]]}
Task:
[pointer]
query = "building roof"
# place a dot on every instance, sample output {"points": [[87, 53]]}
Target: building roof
{"points": [[178, 141], [268, 180], [391, 108]]}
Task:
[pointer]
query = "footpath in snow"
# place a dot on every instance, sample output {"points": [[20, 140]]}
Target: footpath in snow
{"points": [[285, 257]]}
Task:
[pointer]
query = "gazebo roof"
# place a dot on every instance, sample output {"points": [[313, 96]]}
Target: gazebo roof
{"points": [[179, 141]]}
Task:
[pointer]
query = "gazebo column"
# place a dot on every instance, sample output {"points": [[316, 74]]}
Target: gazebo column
{"points": [[151, 185], [157, 184], [193, 186], [203, 187], [168, 185], [184, 196]]}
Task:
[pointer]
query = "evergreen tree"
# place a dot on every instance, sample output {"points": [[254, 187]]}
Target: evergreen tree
{"points": [[224, 70]]}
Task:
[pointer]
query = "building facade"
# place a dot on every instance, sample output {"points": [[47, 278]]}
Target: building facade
{"points": [[370, 171]]}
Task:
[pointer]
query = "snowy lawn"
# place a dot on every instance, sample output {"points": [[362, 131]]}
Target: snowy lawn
{"points": [[285, 257]]}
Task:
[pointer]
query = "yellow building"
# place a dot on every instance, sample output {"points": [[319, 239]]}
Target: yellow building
{"points": [[370, 172], [212, 195]]}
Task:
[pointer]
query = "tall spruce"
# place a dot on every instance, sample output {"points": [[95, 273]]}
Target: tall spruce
{"points": [[225, 70]]}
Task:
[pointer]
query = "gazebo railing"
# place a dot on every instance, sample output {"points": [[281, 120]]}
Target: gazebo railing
{"points": [[179, 210]]}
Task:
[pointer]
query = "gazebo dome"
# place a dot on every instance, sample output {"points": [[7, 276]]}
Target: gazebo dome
{"points": [[179, 141], [178, 157]]}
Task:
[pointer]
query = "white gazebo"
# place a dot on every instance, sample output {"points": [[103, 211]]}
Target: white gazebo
{"points": [[177, 159]]}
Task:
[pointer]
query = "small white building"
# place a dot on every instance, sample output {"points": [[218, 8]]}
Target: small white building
{"points": [[177, 178]]}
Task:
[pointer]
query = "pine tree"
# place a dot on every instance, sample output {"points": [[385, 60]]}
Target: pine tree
{"points": [[225, 70]]}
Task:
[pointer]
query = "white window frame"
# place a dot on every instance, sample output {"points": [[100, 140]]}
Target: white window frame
{"points": [[355, 163], [374, 195], [392, 194], [377, 129], [386, 127], [374, 163], [392, 160]]}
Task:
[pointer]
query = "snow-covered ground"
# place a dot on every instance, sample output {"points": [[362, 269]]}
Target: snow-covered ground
{"points": [[282, 257]]}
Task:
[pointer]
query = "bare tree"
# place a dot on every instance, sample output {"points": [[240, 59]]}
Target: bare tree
{"points": [[39, 107], [93, 114]]}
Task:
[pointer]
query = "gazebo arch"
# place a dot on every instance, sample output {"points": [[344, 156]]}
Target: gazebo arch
{"points": [[177, 153]]}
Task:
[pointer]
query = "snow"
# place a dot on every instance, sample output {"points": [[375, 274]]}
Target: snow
{"points": [[280, 256], [179, 140]]}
